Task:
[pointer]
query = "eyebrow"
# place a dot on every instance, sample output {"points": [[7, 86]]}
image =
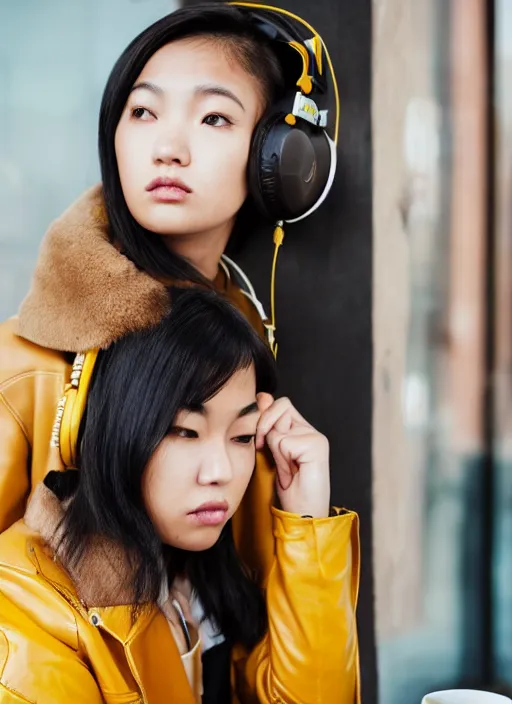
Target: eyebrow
{"points": [[206, 89], [212, 89], [146, 85], [251, 408]]}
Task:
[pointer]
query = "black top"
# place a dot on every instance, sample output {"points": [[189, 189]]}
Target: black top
{"points": [[216, 674]]}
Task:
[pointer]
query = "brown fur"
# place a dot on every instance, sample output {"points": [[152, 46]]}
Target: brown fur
{"points": [[84, 293], [103, 576]]}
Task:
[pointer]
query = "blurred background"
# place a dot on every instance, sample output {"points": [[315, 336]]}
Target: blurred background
{"points": [[436, 605], [442, 129]]}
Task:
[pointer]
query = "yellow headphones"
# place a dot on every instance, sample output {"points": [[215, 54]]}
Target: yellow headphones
{"points": [[71, 407], [295, 125]]}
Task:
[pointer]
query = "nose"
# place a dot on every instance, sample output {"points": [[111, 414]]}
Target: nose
{"points": [[171, 147], [216, 467]]}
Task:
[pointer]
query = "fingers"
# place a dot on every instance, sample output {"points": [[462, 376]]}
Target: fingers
{"points": [[286, 469], [264, 401], [284, 423], [289, 449], [281, 415]]}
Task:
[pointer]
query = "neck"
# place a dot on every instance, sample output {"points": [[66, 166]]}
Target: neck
{"points": [[203, 250]]}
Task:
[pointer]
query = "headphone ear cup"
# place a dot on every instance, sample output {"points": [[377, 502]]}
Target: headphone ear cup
{"points": [[289, 167], [262, 169]]}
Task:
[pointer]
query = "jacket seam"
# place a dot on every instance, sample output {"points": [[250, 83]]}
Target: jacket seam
{"points": [[7, 657], [62, 594], [12, 568], [24, 375], [17, 694], [16, 417], [81, 650], [23, 571], [319, 563]]}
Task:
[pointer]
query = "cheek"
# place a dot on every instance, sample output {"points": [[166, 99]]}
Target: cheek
{"points": [[130, 147], [123, 156], [225, 162], [164, 488], [162, 503]]}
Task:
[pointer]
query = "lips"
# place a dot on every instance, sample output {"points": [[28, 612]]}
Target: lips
{"points": [[170, 183], [213, 513], [212, 506]]}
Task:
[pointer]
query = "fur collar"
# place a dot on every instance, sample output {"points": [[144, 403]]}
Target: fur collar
{"points": [[103, 576], [84, 293]]}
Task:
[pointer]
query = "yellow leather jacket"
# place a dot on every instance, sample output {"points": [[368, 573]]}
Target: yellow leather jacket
{"points": [[85, 294], [68, 636]]}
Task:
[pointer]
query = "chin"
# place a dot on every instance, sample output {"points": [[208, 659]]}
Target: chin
{"points": [[168, 218], [197, 543], [167, 225], [178, 220]]}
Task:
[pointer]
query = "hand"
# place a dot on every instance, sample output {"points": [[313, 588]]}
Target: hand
{"points": [[301, 455]]}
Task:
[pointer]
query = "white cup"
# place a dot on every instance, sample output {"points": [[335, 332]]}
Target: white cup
{"points": [[465, 696]]}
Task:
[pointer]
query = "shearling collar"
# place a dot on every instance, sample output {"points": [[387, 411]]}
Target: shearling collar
{"points": [[103, 576], [84, 293]]}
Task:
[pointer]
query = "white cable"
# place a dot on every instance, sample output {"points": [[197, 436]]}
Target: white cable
{"points": [[250, 292]]}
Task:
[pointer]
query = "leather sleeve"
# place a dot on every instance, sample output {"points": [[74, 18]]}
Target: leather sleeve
{"points": [[310, 652], [14, 460]]}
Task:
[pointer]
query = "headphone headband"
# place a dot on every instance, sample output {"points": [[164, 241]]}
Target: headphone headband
{"points": [[276, 25], [71, 408]]}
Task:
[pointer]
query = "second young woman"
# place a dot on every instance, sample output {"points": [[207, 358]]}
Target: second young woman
{"points": [[123, 582]]}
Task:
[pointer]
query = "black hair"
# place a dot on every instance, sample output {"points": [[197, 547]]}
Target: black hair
{"points": [[238, 36], [139, 385]]}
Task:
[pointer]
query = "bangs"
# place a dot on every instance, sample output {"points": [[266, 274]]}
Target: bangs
{"points": [[216, 370], [220, 343]]}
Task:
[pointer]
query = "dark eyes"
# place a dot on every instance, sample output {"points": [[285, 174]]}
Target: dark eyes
{"points": [[213, 120], [188, 434], [141, 113], [183, 433], [245, 439]]}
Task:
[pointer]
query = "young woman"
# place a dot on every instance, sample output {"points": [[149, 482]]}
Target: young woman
{"points": [[177, 124], [122, 583]]}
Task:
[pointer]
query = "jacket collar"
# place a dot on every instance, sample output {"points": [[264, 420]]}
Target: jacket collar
{"points": [[103, 576], [84, 292]]}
